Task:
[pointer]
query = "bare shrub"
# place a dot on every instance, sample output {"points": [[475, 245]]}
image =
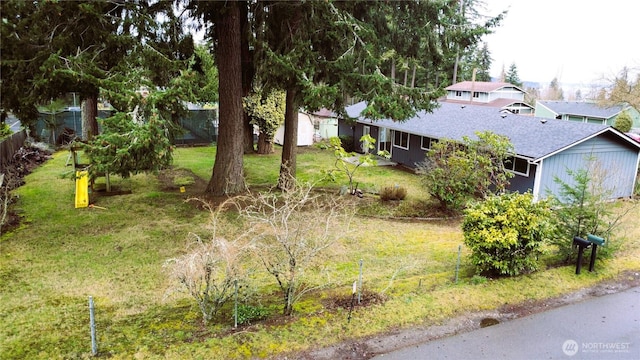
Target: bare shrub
{"points": [[209, 269], [289, 233]]}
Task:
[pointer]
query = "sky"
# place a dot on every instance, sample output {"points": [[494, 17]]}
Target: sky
{"points": [[577, 41]]}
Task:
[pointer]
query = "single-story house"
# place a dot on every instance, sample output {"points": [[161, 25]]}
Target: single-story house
{"points": [[543, 149], [501, 95], [587, 112]]}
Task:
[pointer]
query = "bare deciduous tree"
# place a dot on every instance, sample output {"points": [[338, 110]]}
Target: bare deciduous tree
{"points": [[290, 231]]}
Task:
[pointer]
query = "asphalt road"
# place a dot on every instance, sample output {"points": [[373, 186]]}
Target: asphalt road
{"points": [[603, 328]]}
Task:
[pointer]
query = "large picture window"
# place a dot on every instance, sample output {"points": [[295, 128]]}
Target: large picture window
{"points": [[517, 165], [401, 140]]}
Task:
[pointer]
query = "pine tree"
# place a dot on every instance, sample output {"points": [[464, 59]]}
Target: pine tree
{"points": [[512, 77]]}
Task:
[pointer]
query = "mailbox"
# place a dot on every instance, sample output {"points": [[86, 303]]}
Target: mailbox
{"points": [[596, 240], [582, 243]]}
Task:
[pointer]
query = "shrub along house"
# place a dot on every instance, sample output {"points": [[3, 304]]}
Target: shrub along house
{"points": [[544, 149]]}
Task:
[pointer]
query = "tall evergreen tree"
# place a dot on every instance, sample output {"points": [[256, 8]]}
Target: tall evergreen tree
{"points": [[477, 59], [310, 49], [224, 27], [512, 77], [554, 92], [320, 52], [50, 48]]}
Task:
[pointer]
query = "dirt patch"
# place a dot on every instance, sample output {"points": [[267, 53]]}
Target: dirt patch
{"points": [[23, 162], [180, 179], [367, 298], [367, 348]]}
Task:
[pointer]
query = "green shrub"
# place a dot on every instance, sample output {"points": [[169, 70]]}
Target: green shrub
{"points": [[393, 193], [478, 280], [505, 233], [248, 313], [5, 130], [623, 122], [455, 173], [347, 143]]}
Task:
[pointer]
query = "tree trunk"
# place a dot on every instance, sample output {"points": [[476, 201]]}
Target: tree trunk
{"points": [[228, 173], [89, 114], [265, 144], [288, 301], [413, 76], [247, 73], [288, 163]]}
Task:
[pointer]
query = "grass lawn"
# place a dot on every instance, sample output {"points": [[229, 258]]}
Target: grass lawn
{"points": [[115, 253]]}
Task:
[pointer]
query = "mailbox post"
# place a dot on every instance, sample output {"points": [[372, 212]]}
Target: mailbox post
{"points": [[581, 244], [595, 241]]}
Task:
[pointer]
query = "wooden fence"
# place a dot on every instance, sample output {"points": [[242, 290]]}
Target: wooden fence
{"points": [[10, 146]]}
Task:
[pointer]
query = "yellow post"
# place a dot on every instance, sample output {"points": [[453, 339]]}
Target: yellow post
{"points": [[82, 189]]}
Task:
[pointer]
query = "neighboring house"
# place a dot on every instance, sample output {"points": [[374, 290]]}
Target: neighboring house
{"points": [[306, 131], [503, 96], [544, 149], [325, 124], [586, 112]]}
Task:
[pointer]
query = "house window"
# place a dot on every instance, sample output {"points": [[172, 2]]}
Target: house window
{"points": [[476, 94], [458, 93], [517, 165], [427, 142], [401, 140]]}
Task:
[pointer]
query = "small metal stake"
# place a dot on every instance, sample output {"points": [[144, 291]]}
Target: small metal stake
{"points": [[353, 297], [458, 263], [235, 306], [94, 345], [360, 283]]}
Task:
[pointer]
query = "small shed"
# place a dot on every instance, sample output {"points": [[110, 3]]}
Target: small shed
{"points": [[306, 131]]}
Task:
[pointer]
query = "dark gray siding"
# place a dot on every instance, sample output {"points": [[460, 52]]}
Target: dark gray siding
{"points": [[521, 183]]}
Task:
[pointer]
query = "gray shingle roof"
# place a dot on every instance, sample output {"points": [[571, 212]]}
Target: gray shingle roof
{"points": [[531, 137], [581, 108]]}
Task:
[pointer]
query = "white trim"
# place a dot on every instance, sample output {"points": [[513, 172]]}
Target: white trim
{"points": [[537, 180], [421, 142], [514, 166], [635, 179], [393, 142]]}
